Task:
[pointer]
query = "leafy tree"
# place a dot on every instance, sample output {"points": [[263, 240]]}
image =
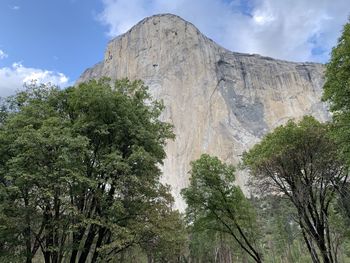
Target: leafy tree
{"points": [[166, 238], [39, 160], [213, 245], [215, 202], [300, 161], [337, 90], [337, 94], [79, 171], [282, 239], [337, 85]]}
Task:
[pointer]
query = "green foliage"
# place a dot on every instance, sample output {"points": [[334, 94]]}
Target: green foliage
{"points": [[289, 141], [39, 161], [215, 202], [282, 239], [337, 91], [337, 85], [166, 238], [79, 172], [300, 161]]}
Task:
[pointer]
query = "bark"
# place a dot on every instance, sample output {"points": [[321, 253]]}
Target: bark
{"points": [[77, 237], [88, 243], [27, 231], [101, 234]]}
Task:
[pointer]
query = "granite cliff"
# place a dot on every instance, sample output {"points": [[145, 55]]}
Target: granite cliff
{"points": [[220, 102]]}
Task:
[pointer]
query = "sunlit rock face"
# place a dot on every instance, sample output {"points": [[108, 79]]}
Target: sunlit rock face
{"points": [[220, 102]]}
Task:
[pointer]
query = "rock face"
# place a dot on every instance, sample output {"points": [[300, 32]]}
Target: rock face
{"points": [[220, 102]]}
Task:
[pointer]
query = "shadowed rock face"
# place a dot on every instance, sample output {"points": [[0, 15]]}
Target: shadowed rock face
{"points": [[220, 102]]}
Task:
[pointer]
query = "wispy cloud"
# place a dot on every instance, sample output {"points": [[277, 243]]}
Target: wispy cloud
{"points": [[3, 54], [13, 78], [295, 30], [15, 7]]}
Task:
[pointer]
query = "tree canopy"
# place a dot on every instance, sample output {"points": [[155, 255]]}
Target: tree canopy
{"points": [[337, 85], [300, 161], [79, 172], [337, 91], [215, 202]]}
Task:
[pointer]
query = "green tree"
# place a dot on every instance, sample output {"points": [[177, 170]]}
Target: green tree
{"points": [[337, 94], [282, 239], [337, 90], [300, 161], [337, 84], [166, 238], [79, 170], [215, 202], [39, 160]]}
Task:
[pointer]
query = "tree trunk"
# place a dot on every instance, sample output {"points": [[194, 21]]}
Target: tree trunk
{"points": [[27, 231], [77, 237], [88, 243], [101, 234], [150, 258]]}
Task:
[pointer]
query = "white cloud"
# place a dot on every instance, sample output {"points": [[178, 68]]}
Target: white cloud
{"points": [[295, 30], [262, 18], [3, 54], [15, 7], [13, 78]]}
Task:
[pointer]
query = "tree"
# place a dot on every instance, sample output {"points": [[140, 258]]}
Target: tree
{"points": [[337, 91], [300, 161], [79, 170], [165, 240], [214, 202], [38, 162], [337, 94], [281, 236], [337, 84]]}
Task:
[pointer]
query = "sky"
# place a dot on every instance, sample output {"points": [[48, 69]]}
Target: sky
{"points": [[56, 40]]}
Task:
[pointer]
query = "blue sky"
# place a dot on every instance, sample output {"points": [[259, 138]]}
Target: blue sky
{"points": [[56, 40], [59, 36]]}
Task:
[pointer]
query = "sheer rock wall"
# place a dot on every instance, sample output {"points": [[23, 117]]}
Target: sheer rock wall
{"points": [[220, 102]]}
